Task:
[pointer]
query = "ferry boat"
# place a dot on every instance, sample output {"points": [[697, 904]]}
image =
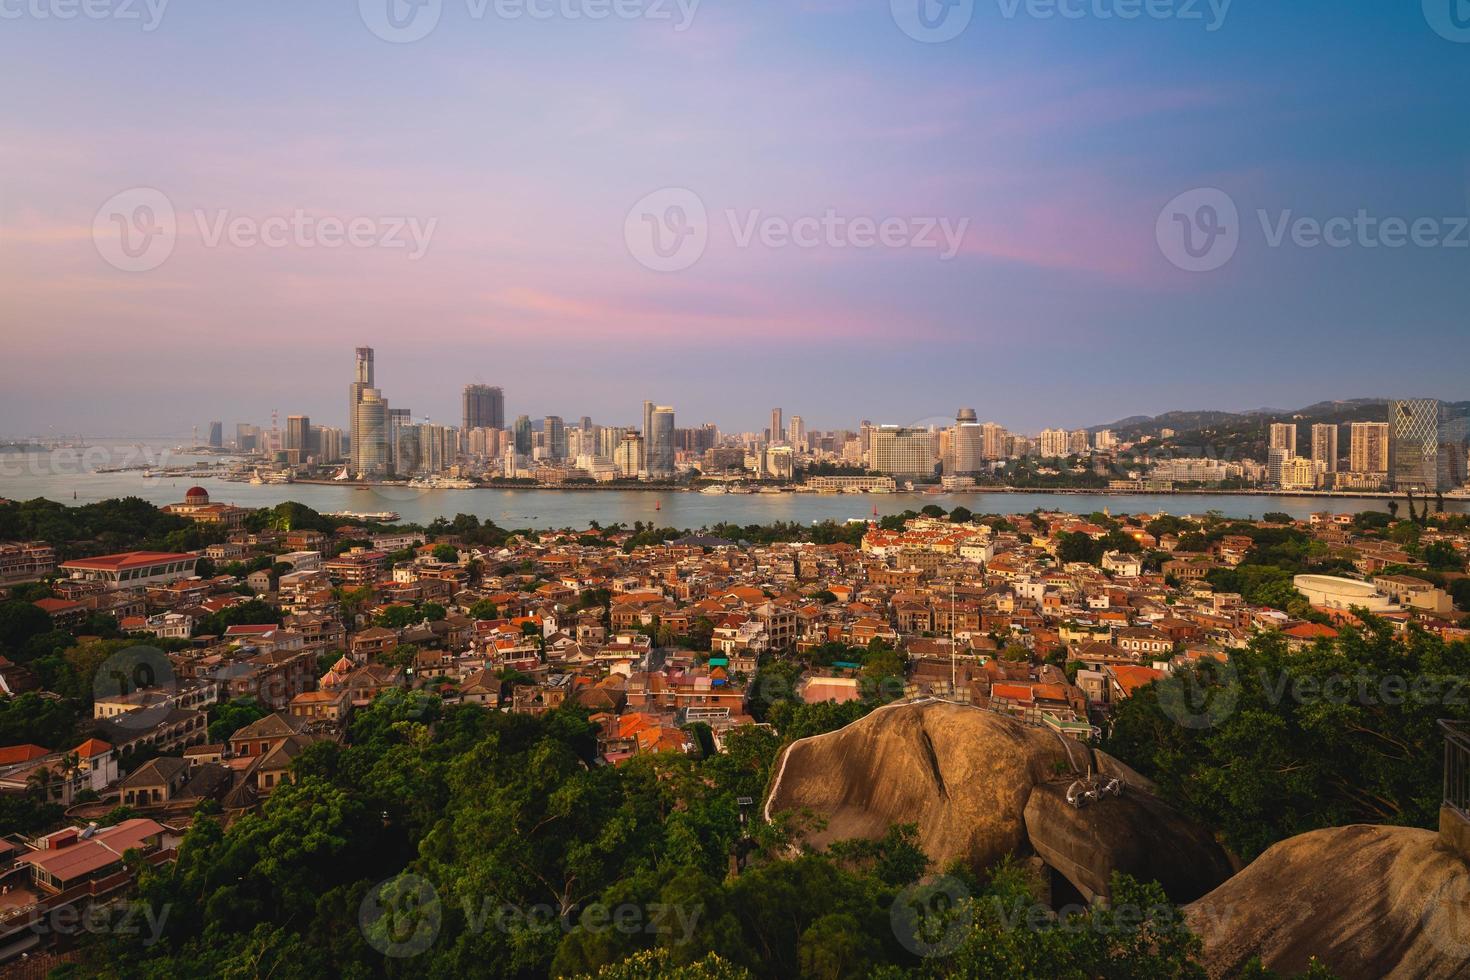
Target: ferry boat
{"points": [[716, 489], [381, 517], [441, 483]]}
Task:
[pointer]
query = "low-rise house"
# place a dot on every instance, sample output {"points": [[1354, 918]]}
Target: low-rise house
{"points": [[154, 782], [72, 857]]}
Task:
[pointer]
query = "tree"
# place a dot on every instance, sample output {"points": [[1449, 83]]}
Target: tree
{"points": [[1078, 547], [484, 609], [41, 783], [1460, 591], [397, 617], [1137, 933], [961, 515], [1296, 741], [1442, 556], [228, 717], [19, 622], [446, 554], [255, 612], [24, 814], [660, 963], [1375, 520], [48, 722]]}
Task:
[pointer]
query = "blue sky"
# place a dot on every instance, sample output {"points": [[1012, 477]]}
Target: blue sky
{"points": [[526, 144]]}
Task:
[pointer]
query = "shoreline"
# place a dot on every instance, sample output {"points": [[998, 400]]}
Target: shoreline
{"points": [[793, 490]]}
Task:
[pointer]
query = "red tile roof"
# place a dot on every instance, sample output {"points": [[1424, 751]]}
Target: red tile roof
{"points": [[128, 559], [105, 848], [92, 747], [12, 754]]}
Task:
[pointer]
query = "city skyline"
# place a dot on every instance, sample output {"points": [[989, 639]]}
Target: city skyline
{"points": [[1061, 141], [629, 415], [483, 404]]}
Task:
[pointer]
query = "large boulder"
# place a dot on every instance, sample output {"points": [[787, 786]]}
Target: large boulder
{"points": [[1135, 832], [1367, 901], [965, 777]]}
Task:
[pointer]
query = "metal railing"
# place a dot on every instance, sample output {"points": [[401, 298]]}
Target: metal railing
{"points": [[1456, 765]]}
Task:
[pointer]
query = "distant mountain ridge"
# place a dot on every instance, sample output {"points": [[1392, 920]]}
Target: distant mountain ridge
{"points": [[1340, 412]]}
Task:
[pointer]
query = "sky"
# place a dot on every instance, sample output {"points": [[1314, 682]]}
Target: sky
{"points": [[1089, 209]]}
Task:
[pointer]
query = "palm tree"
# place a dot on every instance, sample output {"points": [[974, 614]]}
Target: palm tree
{"points": [[41, 782]]}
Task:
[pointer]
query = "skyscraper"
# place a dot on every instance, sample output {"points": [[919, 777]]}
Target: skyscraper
{"points": [[659, 447], [1413, 445], [371, 452], [796, 435], [628, 457], [901, 451], [1283, 436], [523, 435], [1054, 442], [556, 437], [1324, 446], [365, 367], [995, 440], [1368, 447], [403, 456], [967, 443], [367, 420], [1278, 460], [484, 407], [298, 437], [776, 431], [1427, 446], [216, 435]]}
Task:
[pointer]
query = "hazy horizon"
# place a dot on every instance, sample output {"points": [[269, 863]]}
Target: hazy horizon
{"points": [[522, 150]]}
